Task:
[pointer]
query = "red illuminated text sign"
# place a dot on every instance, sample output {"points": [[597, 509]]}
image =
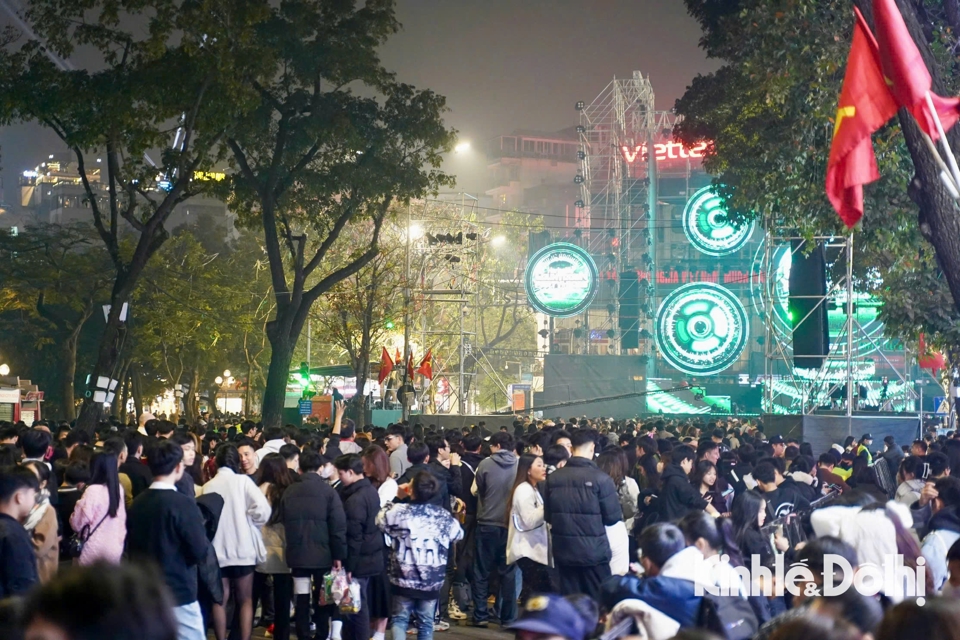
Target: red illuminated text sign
{"points": [[664, 151]]}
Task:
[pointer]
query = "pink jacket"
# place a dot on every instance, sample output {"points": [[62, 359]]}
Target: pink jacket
{"points": [[107, 542]]}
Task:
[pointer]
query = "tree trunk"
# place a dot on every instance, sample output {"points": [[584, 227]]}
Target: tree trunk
{"points": [[248, 391], [116, 407], [191, 402], [68, 371], [123, 394], [283, 337], [137, 391], [107, 356]]}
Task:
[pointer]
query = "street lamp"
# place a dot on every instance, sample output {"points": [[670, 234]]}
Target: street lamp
{"points": [[415, 231], [4, 370], [498, 241], [462, 147], [226, 373], [218, 380]]}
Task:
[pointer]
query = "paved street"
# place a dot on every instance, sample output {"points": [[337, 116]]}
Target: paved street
{"points": [[455, 633]]}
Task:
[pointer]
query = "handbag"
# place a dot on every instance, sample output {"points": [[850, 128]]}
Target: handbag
{"points": [[75, 544]]}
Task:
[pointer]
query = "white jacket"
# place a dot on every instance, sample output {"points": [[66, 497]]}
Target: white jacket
{"points": [[909, 491], [238, 542], [530, 540], [270, 446]]}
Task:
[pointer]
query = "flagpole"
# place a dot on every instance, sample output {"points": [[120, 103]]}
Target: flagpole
{"points": [[945, 175], [954, 170]]}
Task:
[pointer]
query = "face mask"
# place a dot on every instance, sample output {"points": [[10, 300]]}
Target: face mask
{"points": [[326, 472]]}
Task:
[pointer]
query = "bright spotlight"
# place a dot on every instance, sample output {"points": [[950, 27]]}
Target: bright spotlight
{"points": [[498, 241], [462, 147], [4, 370], [416, 231]]}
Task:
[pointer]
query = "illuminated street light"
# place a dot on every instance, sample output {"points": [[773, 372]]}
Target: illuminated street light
{"points": [[4, 370], [462, 147], [416, 231], [498, 241], [226, 373], [218, 380]]}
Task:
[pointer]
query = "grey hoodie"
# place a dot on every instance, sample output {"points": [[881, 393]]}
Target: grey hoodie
{"points": [[494, 480]]}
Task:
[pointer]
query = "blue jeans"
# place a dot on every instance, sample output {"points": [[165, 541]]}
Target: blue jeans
{"points": [[403, 608], [492, 556], [189, 622]]}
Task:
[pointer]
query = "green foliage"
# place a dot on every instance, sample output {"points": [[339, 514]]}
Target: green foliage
{"points": [[769, 112]]}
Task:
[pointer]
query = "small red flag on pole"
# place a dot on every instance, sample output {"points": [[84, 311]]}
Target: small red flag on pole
{"points": [[426, 365], [386, 366], [866, 104], [410, 367]]}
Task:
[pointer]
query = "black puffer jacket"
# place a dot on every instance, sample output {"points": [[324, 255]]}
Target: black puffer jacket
{"points": [[361, 503], [579, 501], [314, 522], [677, 496]]}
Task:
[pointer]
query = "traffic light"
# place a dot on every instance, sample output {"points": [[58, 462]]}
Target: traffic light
{"points": [[304, 374], [388, 325]]}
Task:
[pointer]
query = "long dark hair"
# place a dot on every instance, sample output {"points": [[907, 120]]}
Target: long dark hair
{"points": [[273, 471], [746, 510], [103, 470], [717, 532], [649, 467], [376, 465], [701, 470], [229, 457], [611, 463], [523, 469]]}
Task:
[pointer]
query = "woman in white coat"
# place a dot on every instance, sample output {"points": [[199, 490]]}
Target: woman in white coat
{"points": [[527, 537], [238, 541]]}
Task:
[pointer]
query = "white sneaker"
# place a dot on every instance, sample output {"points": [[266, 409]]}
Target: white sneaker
{"points": [[454, 612], [443, 625]]}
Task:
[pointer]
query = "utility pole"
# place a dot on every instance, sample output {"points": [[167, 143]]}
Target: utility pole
{"points": [[406, 314]]}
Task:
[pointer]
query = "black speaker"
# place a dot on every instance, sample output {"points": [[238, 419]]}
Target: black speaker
{"points": [[629, 319], [537, 240], [807, 308]]}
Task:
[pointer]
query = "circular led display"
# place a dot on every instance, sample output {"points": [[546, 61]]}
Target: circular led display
{"points": [[706, 226], [701, 328], [561, 280]]}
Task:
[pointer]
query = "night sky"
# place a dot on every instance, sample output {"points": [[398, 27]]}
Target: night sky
{"points": [[503, 65]]}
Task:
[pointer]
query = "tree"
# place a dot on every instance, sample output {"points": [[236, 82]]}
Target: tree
{"points": [[156, 78], [314, 155], [768, 113], [361, 310], [57, 275]]}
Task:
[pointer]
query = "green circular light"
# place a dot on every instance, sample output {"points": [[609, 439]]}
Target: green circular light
{"points": [[701, 328], [706, 226], [561, 280]]}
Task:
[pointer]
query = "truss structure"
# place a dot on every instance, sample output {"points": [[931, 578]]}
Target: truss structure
{"points": [[616, 217], [442, 297], [854, 351]]}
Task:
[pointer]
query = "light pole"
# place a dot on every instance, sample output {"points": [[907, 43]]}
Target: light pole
{"points": [[404, 404]]}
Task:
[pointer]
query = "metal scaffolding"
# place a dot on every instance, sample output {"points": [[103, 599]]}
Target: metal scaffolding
{"points": [[616, 219], [443, 261], [850, 359]]}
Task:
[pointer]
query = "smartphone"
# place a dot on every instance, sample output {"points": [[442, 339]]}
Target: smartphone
{"points": [[727, 492]]}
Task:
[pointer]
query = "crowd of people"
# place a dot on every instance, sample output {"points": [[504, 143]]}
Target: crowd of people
{"points": [[549, 528]]}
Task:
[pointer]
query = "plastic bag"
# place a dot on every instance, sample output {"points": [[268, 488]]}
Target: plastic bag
{"points": [[325, 597], [340, 586], [350, 603]]}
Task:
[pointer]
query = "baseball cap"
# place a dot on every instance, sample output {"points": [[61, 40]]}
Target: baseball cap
{"points": [[553, 615], [866, 436], [778, 439]]}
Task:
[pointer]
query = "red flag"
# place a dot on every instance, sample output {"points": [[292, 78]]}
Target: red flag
{"points": [[865, 105], [426, 365], [410, 367], [905, 72], [386, 366], [397, 358], [932, 361]]}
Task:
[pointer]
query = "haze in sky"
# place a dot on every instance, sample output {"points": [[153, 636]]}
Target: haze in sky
{"points": [[502, 64]]}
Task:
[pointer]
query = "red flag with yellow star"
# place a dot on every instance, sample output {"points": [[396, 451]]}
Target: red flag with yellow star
{"points": [[905, 72], [426, 365], [866, 104]]}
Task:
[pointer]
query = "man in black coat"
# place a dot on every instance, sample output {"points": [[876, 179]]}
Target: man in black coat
{"points": [[783, 495], [418, 453], [678, 496], [316, 530], [579, 502], [361, 503]]}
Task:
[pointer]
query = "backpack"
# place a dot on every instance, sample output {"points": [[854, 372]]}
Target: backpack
{"points": [[627, 505], [730, 617]]}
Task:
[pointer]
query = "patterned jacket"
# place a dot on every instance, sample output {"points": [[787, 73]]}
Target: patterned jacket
{"points": [[421, 535]]}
